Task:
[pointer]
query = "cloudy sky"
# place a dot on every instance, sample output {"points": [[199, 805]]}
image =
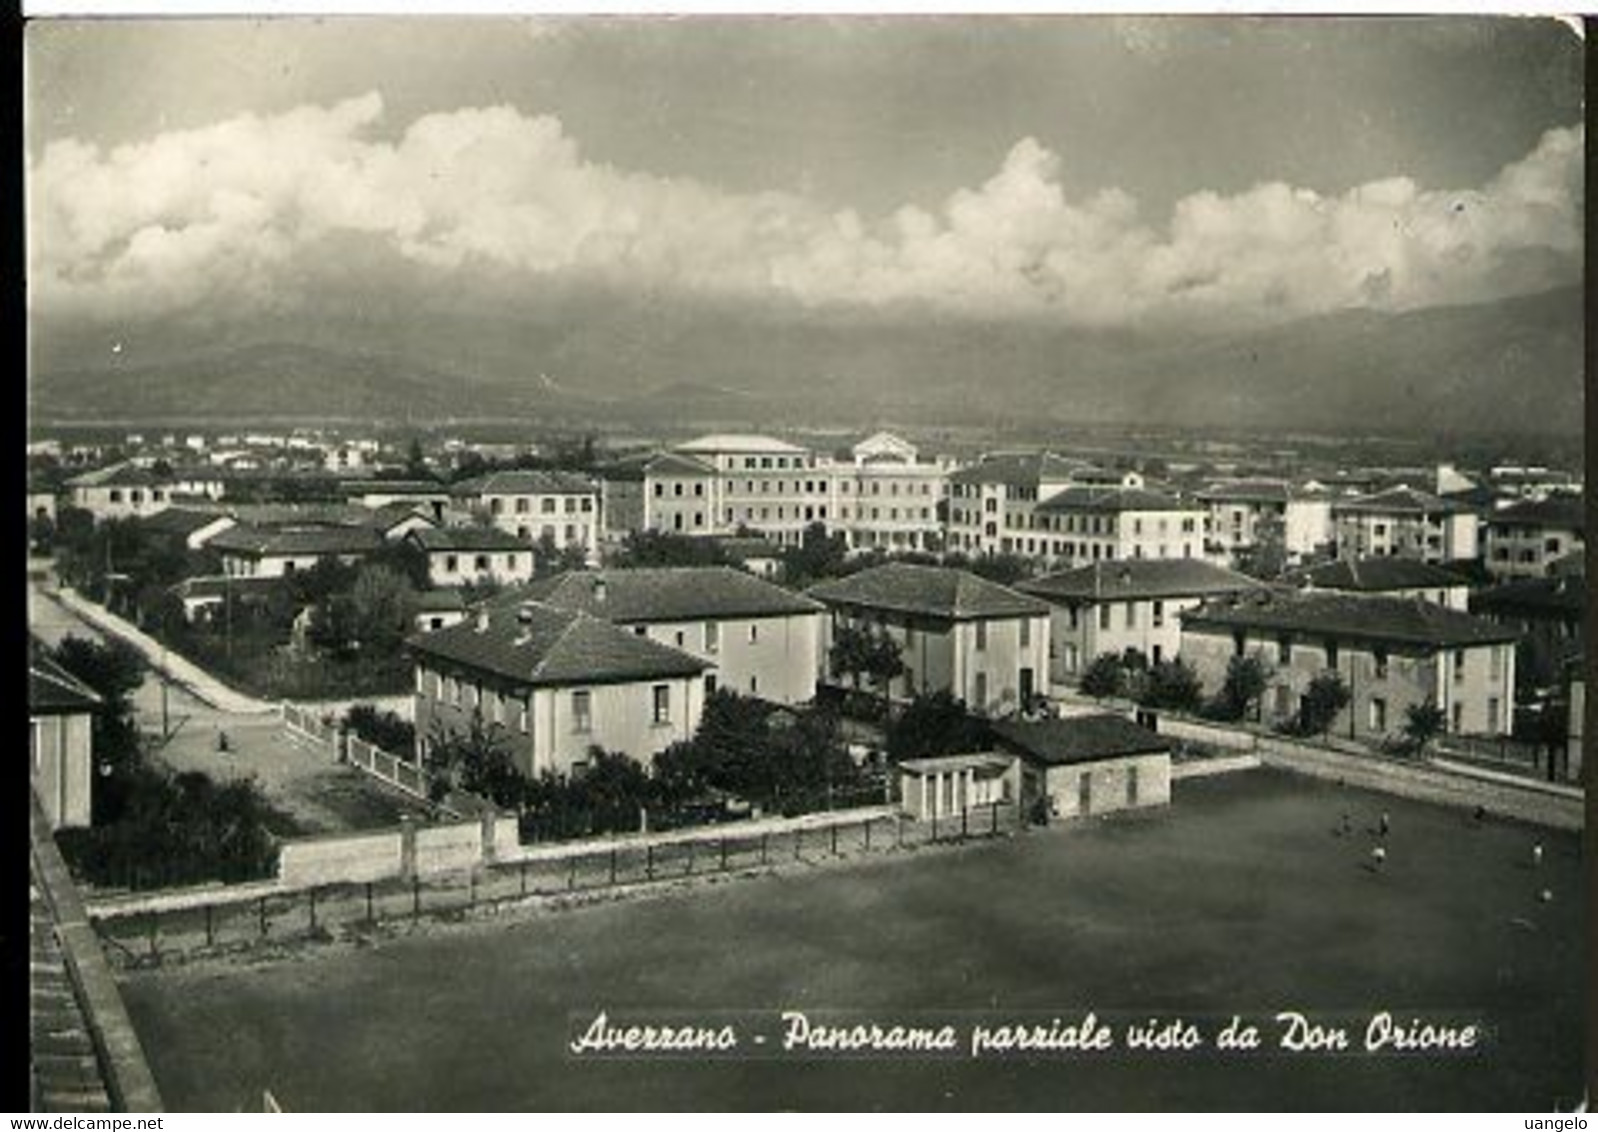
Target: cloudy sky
{"points": [[1098, 172]]}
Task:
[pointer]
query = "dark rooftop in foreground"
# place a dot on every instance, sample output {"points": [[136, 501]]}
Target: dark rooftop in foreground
{"points": [[1078, 739], [539, 645], [1393, 620]]}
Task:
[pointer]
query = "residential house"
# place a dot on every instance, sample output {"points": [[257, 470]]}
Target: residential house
{"points": [[427, 496], [1550, 614], [60, 741], [1388, 577], [1525, 539], [1391, 653], [457, 556], [121, 491], [192, 527], [1087, 523], [992, 501], [214, 598], [678, 495], [984, 643], [1403, 522], [763, 640], [562, 507], [752, 554], [1132, 604], [1248, 516], [551, 684], [250, 551], [437, 609]]}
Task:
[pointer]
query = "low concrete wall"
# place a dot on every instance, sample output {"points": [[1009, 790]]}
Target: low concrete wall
{"points": [[1224, 764], [128, 1080], [1230, 738], [310, 861], [1427, 784]]}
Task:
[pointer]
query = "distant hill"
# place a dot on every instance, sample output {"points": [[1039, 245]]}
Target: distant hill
{"points": [[1511, 366]]}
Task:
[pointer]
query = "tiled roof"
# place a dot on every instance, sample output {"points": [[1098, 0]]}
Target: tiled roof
{"points": [[1400, 500], [1078, 739], [52, 690], [182, 521], [939, 591], [743, 548], [1135, 578], [443, 600], [221, 585], [1394, 620], [742, 442], [466, 538], [1020, 469], [539, 645], [677, 464], [1112, 500], [393, 487], [530, 482], [125, 474], [261, 541], [1377, 574], [680, 593], [1564, 597], [1248, 491], [1565, 512]]}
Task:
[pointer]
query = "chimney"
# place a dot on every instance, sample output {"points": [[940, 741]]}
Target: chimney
{"points": [[599, 589], [524, 614], [482, 618]]}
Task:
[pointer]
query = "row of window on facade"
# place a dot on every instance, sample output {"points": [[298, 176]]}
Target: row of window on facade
{"points": [[1285, 645], [502, 709], [480, 562], [980, 630], [136, 495], [547, 505], [711, 635]]}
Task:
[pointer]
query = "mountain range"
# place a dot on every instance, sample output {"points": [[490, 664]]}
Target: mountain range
{"points": [[1514, 366]]}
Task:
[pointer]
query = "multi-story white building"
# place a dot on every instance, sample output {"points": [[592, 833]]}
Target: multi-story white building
{"points": [[679, 495], [1391, 654], [890, 499], [1090, 524], [983, 643], [564, 506], [1404, 523], [763, 640], [121, 491], [1134, 604], [1524, 539], [1246, 515], [991, 502], [762, 484], [457, 556]]}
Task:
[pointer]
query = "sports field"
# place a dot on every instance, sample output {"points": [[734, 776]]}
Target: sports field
{"points": [[1243, 898]]}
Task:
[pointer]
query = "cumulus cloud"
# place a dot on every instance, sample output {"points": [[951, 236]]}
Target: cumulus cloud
{"points": [[236, 211]]}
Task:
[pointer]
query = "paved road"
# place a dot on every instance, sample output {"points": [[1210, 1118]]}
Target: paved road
{"points": [[300, 779]]}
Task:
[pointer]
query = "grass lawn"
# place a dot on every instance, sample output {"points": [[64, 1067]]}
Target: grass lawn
{"points": [[1239, 899]]}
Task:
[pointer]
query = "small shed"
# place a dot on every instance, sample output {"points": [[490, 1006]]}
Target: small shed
{"points": [[1088, 764], [947, 785]]}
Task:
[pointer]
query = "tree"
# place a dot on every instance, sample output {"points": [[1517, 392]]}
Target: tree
{"points": [[115, 670], [405, 558], [1104, 677], [1246, 678], [1422, 723], [660, 548], [380, 609], [382, 729], [820, 555], [868, 652], [1325, 697], [475, 760], [416, 461], [934, 724], [1172, 685]]}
